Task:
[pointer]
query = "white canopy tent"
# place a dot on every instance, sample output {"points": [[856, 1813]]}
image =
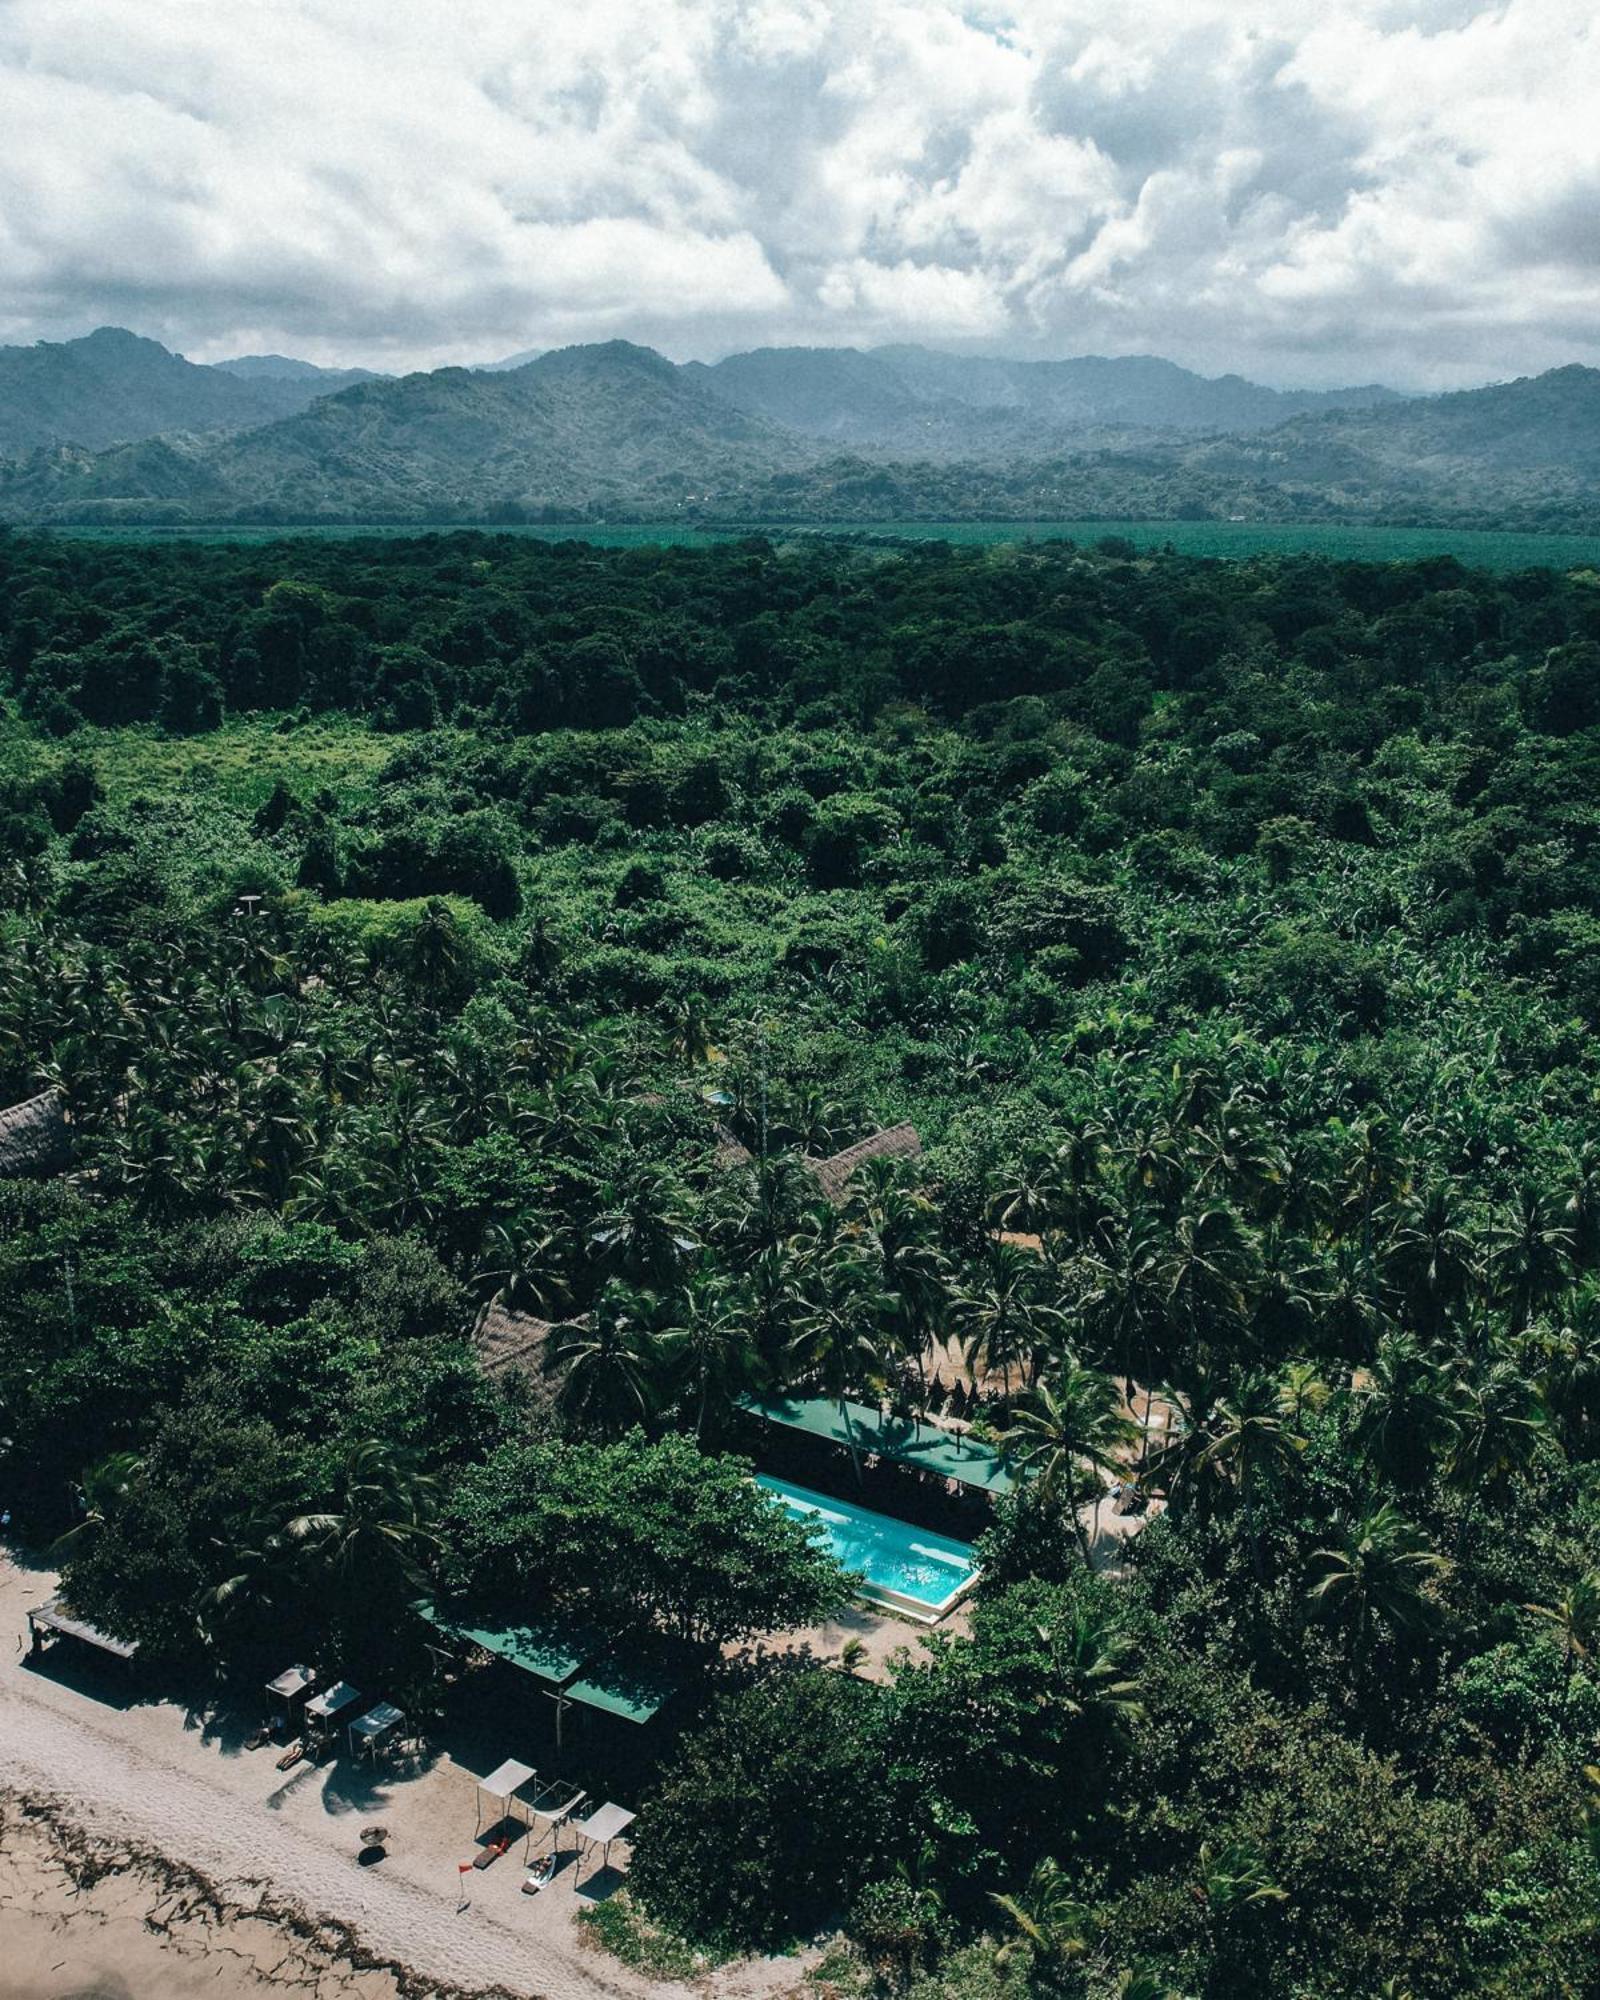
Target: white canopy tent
{"points": [[502, 1785]]}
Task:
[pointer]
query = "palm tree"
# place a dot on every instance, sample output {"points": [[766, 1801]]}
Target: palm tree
{"points": [[710, 1349], [1046, 1921], [1406, 1413], [1252, 1448], [102, 1492], [838, 1336], [1235, 1877], [1071, 1423], [1529, 1261], [1143, 1982], [1500, 1425], [644, 1235], [368, 1550], [608, 1364], [1576, 1621], [1003, 1316], [1379, 1570], [1089, 1654], [1430, 1259], [1208, 1270]]}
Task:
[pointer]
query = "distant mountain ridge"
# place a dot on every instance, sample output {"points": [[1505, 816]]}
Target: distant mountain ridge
{"points": [[912, 400], [616, 431], [113, 387]]}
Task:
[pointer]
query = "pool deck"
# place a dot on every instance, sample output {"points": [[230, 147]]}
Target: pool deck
{"points": [[880, 1634]]}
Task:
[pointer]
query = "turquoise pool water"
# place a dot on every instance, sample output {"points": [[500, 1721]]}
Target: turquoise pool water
{"points": [[907, 1567]]}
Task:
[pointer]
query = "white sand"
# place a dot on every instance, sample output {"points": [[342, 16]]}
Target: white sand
{"points": [[147, 1773]]}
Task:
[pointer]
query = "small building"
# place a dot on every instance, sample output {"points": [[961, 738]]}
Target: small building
{"points": [[896, 1142], [35, 1138]]}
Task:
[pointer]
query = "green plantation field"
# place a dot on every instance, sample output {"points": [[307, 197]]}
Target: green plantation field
{"points": [[1482, 548]]}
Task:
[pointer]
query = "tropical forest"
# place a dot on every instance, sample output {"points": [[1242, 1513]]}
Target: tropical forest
{"points": [[437, 973]]}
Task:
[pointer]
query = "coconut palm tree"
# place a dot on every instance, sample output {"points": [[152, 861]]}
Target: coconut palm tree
{"points": [[1378, 1571], [608, 1364], [1002, 1315], [1090, 1652], [1235, 1877], [709, 1349], [1499, 1427], [364, 1556], [1406, 1414], [1208, 1271], [644, 1234], [1529, 1261], [1252, 1448], [837, 1341], [1575, 1619], [1072, 1423], [1430, 1258]]}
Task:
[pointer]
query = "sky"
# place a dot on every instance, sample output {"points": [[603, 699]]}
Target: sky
{"points": [[1318, 193]]}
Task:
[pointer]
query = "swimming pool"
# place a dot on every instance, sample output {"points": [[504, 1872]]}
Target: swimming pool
{"points": [[907, 1568]]}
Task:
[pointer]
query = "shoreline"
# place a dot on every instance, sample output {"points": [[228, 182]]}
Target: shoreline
{"points": [[87, 1917]]}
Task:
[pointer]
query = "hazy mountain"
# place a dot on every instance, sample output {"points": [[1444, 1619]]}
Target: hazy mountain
{"points": [[617, 430], [1524, 445], [284, 368], [113, 387], [914, 402], [579, 427]]}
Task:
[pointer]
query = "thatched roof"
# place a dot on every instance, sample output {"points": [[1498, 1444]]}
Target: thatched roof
{"points": [[506, 1339], [35, 1137], [899, 1142], [731, 1150]]}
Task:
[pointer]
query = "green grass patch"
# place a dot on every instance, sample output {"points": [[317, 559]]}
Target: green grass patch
{"points": [[621, 1928], [237, 764]]}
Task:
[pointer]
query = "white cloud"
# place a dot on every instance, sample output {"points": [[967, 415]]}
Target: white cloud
{"points": [[1304, 191]]}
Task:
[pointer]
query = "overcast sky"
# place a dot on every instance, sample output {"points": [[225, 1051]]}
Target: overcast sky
{"points": [[1340, 190]]}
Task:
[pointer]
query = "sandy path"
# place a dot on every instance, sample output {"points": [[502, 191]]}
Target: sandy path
{"points": [[145, 1774]]}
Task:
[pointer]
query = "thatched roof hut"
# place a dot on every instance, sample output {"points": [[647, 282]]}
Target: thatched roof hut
{"points": [[35, 1137], [898, 1142], [505, 1339]]}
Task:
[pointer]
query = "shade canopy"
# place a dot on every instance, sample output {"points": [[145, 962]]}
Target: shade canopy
{"points": [[505, 1779], [377, 1722], [334, 1701], [903, 1439], [58, 1617], [545, 1648], [628, 1685]]}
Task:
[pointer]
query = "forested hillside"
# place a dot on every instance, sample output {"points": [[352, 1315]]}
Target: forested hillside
{"points": [[1231, 929], [614, 431]]}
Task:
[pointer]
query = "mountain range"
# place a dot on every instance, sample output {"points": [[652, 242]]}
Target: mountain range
{"points": [[112, 387], [115, 427]]}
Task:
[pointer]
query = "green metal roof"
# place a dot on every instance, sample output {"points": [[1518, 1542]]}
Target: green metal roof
{"points": [[628, 1685], [548, 1650], [903, 1439]]}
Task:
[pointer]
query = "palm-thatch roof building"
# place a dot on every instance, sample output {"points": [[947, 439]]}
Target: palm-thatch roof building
{"points": [[505, 1339], [35, 1138], [898, 1142]]}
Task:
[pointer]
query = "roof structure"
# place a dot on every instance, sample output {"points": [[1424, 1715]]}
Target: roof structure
{"points": [[58, 1617], [896, 1142], [546, 1648], [505, 1339], [731, 1151], [629, 1684], [35, 1137], [903, 1439]]}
